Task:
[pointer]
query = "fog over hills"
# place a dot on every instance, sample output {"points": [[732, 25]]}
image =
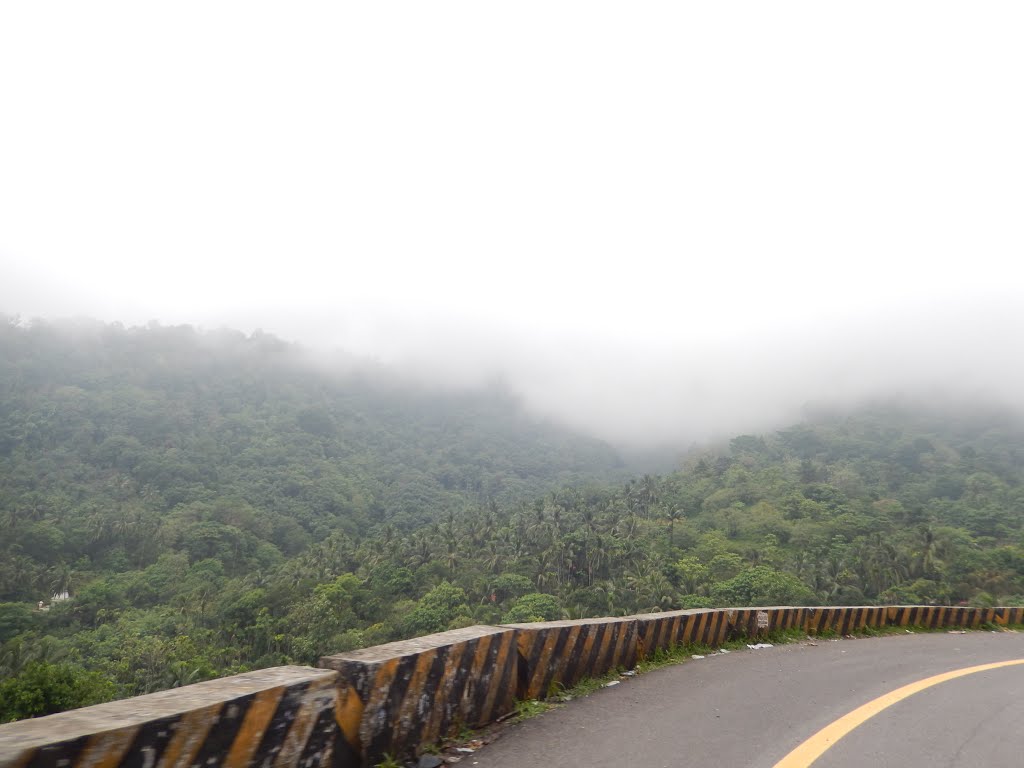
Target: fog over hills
{"points": [[325, 325], [660, 226], [654, 394]]}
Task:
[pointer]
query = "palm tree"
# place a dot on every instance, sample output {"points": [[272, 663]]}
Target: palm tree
{"points": [[672, 514], [256, 579], [835, 576], [14, 656], [494, 556], [880, 565], [569, 554], [178, 674], [62, 578], [421, 550], [451, 557], [926, 559], [627, 527], [658, 590], [544, 575], [125, 524], [612, 595], [648, 493], [13, 517], [99, 526], [538, 526], [801, 562]]}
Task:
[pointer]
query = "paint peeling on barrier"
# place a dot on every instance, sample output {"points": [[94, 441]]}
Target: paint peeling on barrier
{"points": [[662, 631], [404, 696], [556, 654]]}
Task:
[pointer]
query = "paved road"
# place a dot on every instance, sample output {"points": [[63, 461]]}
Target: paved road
{"points": [[751, 708]]}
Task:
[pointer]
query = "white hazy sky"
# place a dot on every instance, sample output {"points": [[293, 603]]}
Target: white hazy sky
{"points": [[653, 217]]}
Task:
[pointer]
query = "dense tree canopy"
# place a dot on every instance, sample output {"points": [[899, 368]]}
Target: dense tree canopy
{"points": [[217, 503]]}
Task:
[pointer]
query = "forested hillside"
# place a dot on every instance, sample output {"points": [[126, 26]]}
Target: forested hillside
{"points": [[215, 503], [116, 443]]}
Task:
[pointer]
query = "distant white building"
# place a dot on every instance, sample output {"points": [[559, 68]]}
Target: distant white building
{"points": [[60, 596]]}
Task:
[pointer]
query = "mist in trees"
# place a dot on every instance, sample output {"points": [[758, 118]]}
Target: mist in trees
{"points": [[217, 503]]}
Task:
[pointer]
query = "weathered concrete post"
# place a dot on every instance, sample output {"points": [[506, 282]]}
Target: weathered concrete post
{"points": [[561, 653], [396, 699]]}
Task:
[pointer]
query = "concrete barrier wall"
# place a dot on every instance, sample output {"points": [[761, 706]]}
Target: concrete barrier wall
{"points": [[760, 622], [844, 621], [558, 654], [399, 698], [661, 631], [938, 616], [275, 717]]}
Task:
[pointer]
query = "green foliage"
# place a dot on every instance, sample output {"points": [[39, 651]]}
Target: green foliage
{"points": [[217, 502], [762, 586], [533, 607], [695, 601], [16, 618], [725, 566], [531, 708], [43, 689], [325, 622], [511, 585], [690, 573], [436, 611]]}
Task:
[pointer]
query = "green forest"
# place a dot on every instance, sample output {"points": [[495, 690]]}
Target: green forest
{"points": [[214, 502]]}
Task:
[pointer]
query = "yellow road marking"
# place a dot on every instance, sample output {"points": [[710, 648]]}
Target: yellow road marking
{"points": [[809, 751]]}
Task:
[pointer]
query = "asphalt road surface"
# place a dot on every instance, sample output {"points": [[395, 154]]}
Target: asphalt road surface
{"points": [[754, 708]]}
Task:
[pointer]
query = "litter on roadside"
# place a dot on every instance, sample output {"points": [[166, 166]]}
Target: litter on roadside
{"points": [[759, 646], [613, 682], [696, 656]]}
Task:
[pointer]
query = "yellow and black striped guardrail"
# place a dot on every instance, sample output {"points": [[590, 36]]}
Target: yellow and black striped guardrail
{"points": [[558, 654], [844, 620], [938, 616], [282, 716], [661, 631], [399, 698]]}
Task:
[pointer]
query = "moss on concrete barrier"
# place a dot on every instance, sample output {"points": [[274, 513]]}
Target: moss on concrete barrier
{"points": [[399, 698]]}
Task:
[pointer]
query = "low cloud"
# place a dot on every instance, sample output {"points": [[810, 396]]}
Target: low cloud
{"points": [[642, 392]]}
